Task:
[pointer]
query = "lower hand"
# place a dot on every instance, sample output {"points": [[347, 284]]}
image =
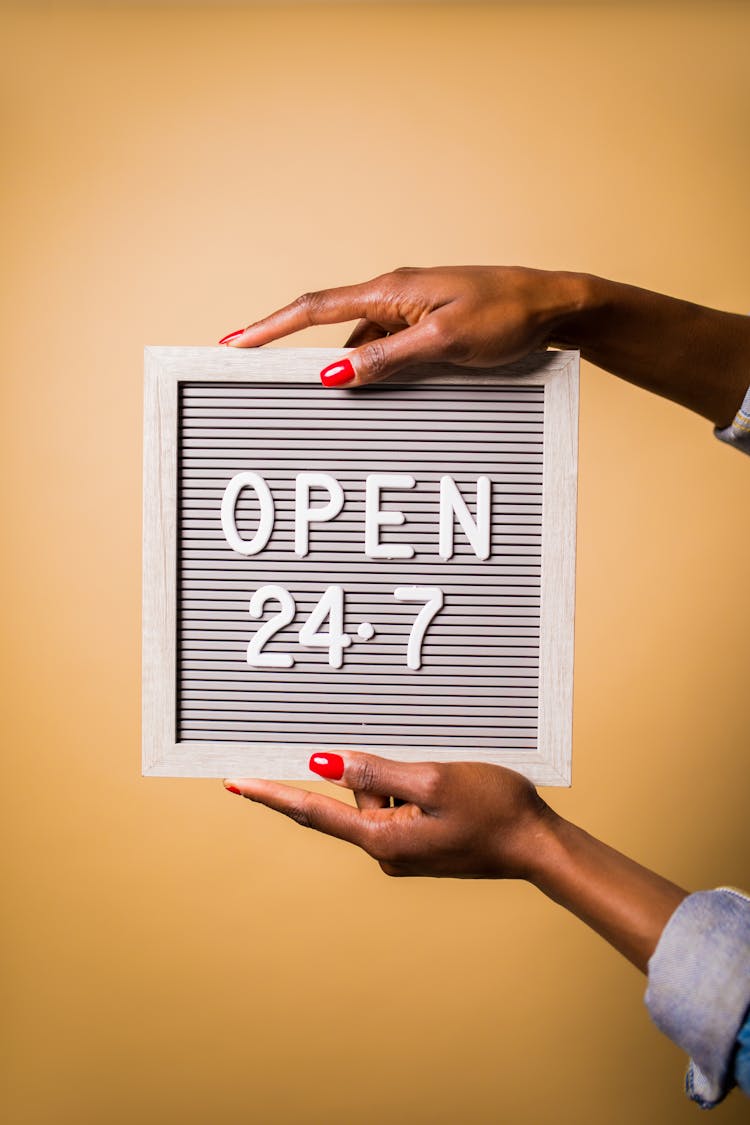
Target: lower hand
{"points": [[458, 819], [469, 820]]}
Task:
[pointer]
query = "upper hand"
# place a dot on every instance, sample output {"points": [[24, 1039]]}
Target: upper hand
{"points": [[460, 819], [477, 316]]}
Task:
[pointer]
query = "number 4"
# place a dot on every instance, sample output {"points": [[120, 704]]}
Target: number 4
{"points": [[331, 605], [432, 596]]}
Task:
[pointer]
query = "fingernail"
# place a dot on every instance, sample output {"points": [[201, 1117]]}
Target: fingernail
{"points": [[337, 373], [328, 765], [231, 336], [232, 788]]}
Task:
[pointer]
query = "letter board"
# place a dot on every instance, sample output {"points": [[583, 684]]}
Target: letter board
{"points": [[388, 569]]}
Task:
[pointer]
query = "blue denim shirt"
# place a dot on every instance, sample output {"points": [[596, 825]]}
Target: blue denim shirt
{"points": [[699, 990], [738, 434], [742, 1062], [699, 976]]}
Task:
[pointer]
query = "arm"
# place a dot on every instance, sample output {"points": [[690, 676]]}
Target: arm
{"points": [[695, 356], [624, 903], [487, 315]]}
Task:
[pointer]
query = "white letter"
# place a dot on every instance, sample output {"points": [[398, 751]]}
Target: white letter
{"points": [[265, 521], [304, 515], [452, 502], [375, 517]]}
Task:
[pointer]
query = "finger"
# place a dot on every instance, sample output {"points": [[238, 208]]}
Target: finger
{"points": [[329, 306], [424, 342], [311, 810], [416, 783], [370, 800], [365, 331], [331, 766]]}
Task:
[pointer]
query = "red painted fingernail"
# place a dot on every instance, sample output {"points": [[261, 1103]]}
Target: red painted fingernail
{"points": [[337, 373], [232, 789], [231, 336], [328, 765]]}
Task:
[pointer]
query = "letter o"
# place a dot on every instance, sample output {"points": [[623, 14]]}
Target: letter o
{"points": [[265, 522]]}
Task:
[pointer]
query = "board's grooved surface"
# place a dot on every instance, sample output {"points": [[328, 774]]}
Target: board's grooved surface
{"points": [[478, 680]]}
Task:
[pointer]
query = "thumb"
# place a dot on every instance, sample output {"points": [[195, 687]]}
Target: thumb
{"points": [[418, 782], [425, 342]]}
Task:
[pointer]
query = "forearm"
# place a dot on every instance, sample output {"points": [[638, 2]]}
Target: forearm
{"points": [[625, 903], [696, 356]]}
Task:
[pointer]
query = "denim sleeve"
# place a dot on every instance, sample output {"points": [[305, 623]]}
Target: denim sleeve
{"points": [[742, 1061], [738, 434], [699, 988]]}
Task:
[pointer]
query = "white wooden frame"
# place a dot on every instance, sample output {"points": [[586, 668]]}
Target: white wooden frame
{"points": [[165, 369]]}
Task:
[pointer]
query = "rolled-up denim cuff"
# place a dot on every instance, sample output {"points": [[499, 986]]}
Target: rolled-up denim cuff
{"points": [[699, 986], [738, 434]]}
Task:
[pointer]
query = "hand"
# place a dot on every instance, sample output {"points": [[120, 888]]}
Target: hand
{"points": [[461, 819], [480, 316], [476, 316], [468, 820]]}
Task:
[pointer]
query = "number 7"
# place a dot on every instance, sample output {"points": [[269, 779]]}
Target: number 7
{"points": [[432, 596]]}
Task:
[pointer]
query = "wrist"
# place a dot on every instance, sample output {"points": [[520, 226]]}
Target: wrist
{"points": [[531, 848], [563, 855], [573, 299], [545, 852]]}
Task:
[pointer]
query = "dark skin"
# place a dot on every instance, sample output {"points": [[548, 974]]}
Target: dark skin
{"points": [[486, 315], [469, 819]]}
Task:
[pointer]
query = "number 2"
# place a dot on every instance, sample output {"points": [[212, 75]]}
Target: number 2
{"points": [[432, 596], [255, 655]]}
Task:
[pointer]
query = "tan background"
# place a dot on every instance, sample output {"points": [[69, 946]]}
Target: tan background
{"points": [[174, 956]]}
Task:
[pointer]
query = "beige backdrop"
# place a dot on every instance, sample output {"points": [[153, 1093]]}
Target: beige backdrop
{"points": [[174, 956]]}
